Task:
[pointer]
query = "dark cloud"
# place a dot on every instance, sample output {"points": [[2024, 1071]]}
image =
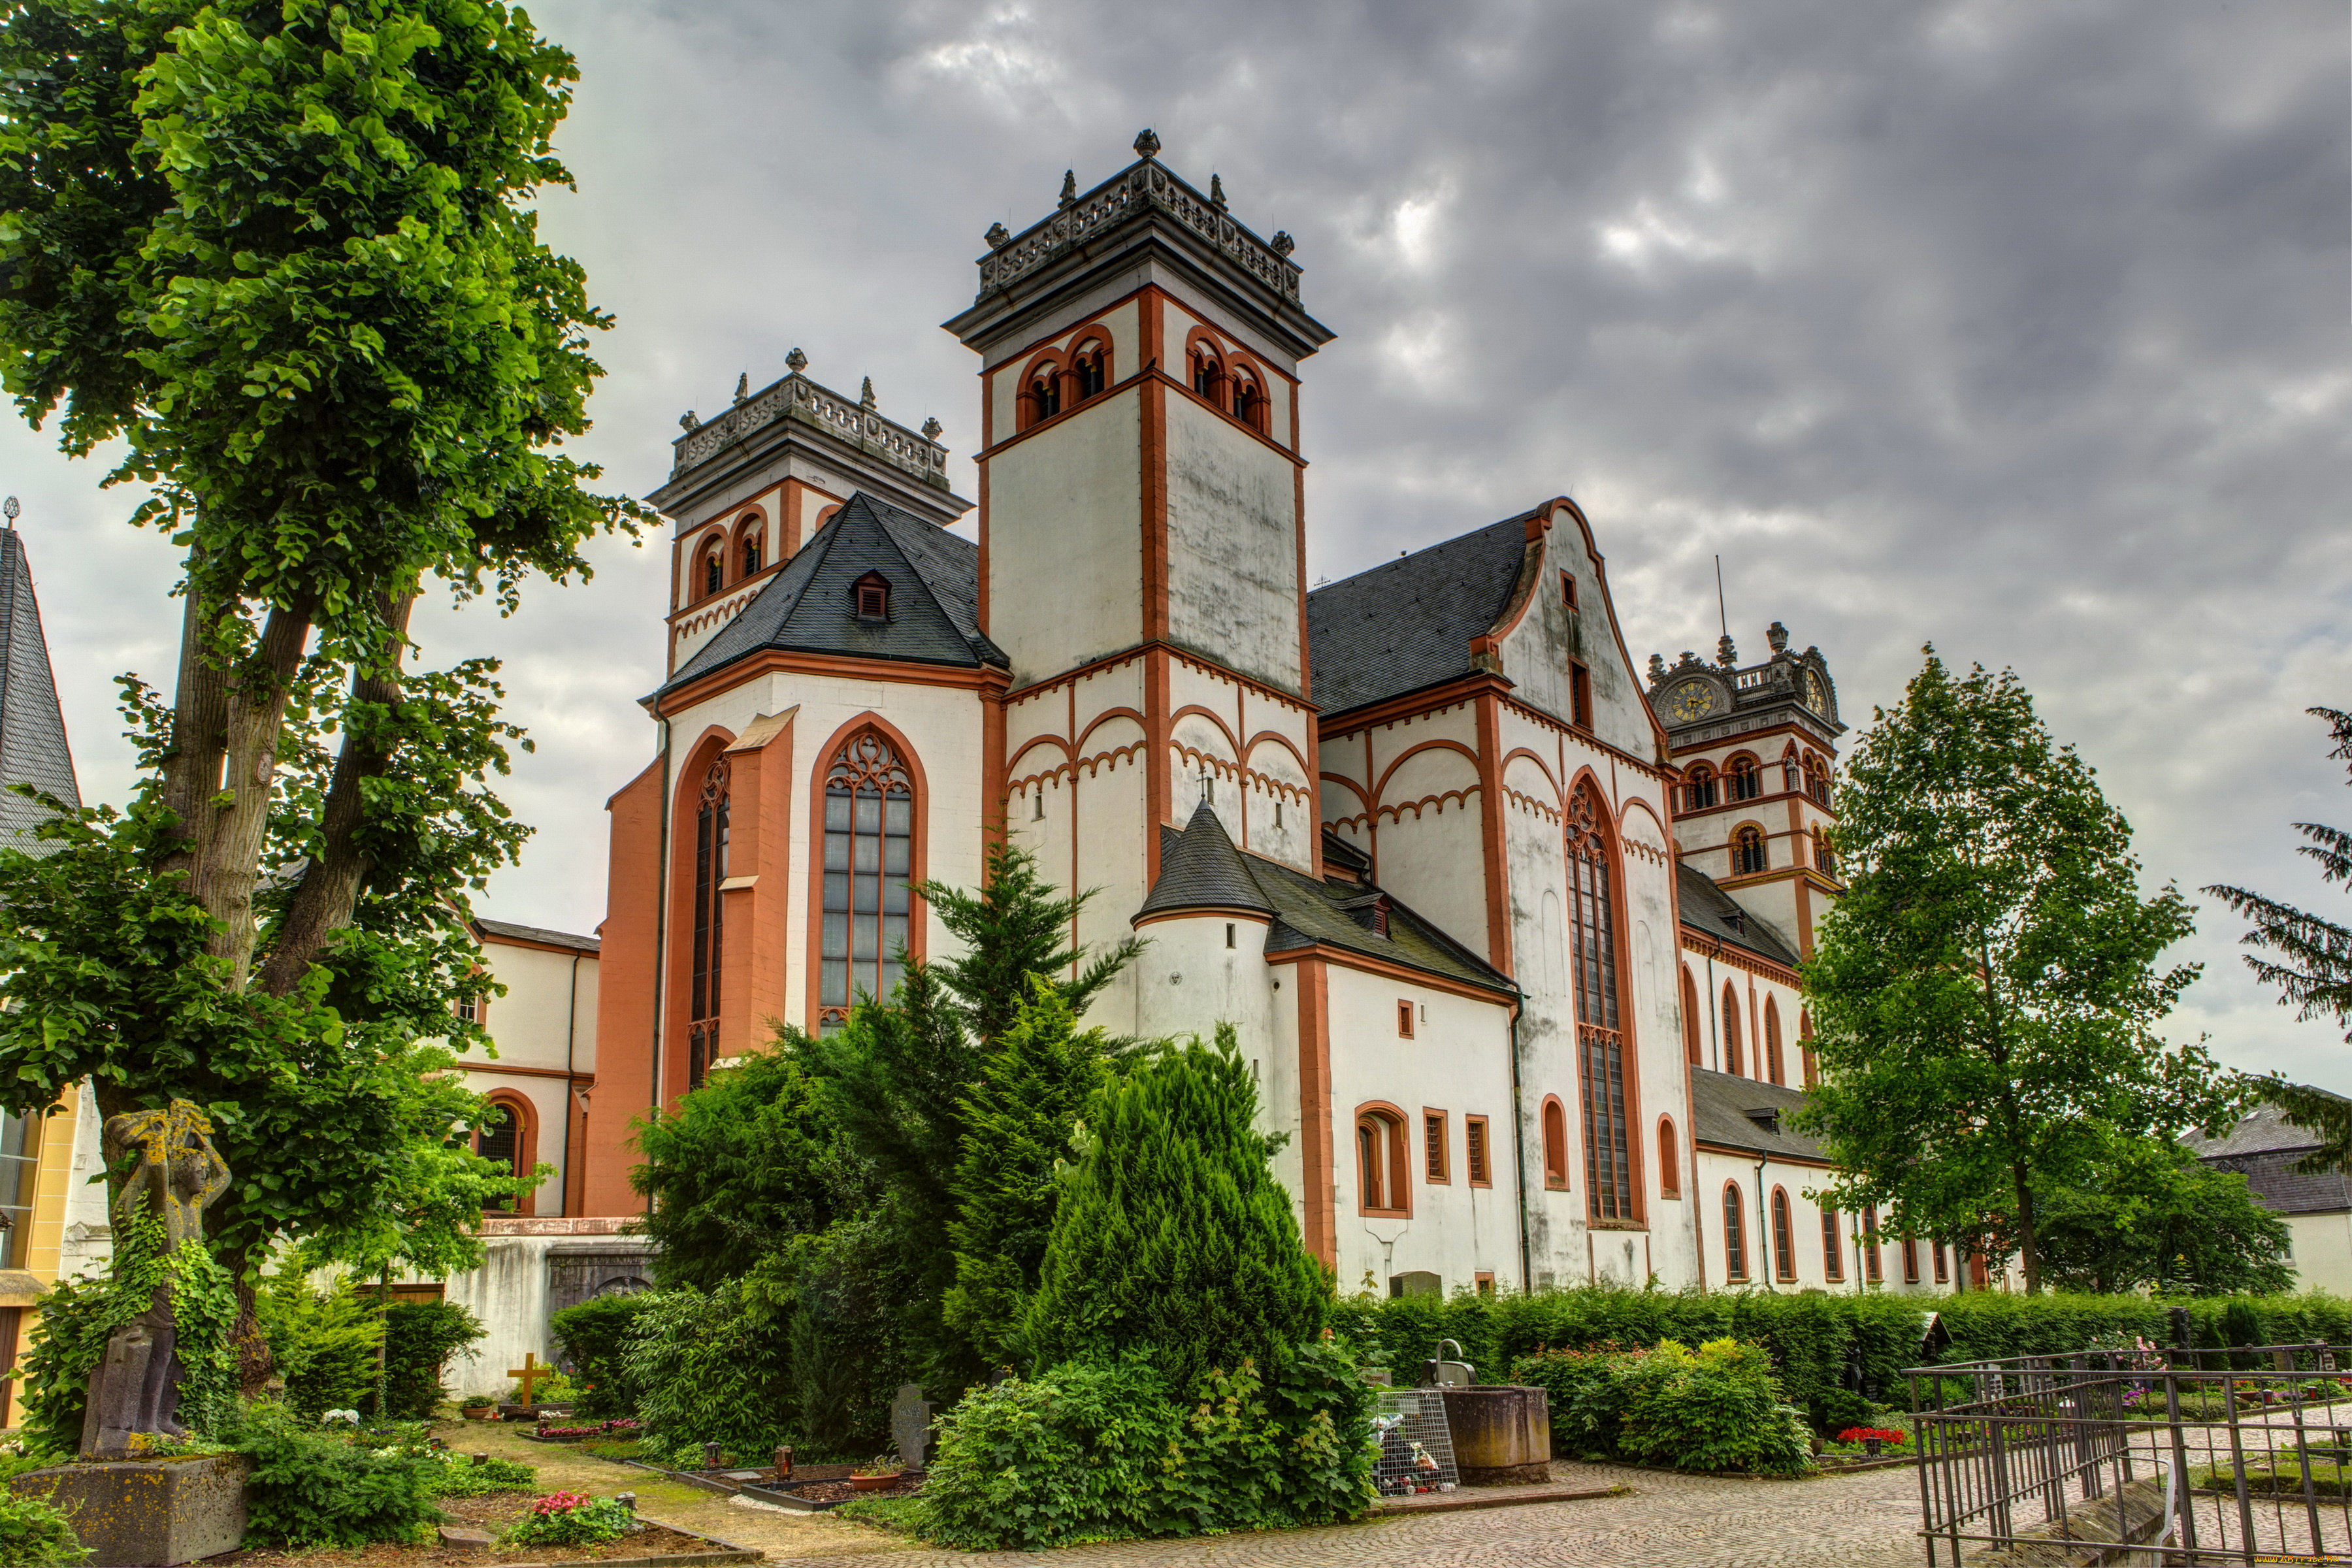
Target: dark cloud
{"points": [[2019, 326]]}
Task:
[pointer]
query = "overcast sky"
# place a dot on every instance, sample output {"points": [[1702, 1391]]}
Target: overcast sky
{"points": [[2018, 326]]}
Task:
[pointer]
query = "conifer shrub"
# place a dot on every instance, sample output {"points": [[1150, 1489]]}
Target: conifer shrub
{"points": [[595, 1338], [323, 1340], [310, 1487], [419, 1338], [1172, 1234], [710, 1367]]}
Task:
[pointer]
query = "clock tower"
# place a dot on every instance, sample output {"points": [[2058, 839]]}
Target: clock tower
{"points": [[1755, 746]]}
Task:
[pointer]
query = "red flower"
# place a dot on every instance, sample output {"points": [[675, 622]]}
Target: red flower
{"points": [[1865, 1434]]}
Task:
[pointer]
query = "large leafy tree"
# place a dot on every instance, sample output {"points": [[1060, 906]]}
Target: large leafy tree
{"points": [[2309, 958], [2156, 1217], [1985, 996], [281, 252]]}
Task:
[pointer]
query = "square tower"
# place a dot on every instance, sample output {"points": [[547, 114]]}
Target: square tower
{"points": [[1142, 530]]}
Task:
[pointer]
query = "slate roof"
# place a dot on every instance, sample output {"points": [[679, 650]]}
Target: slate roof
{"points": [[1200, 869], [1407, 624], [808, 606], [1720, 1102], [2266, 1148], [1709, 909], [1306, 911], [32, 727], [539, 934]]}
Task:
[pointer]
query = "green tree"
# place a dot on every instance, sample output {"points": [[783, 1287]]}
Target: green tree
{"points": [[283, 252], [2156, 1217], [1014, 927], [746, 1162], [1985, 996], [1018, 1121], [2309, 958], [1172, 1234]]}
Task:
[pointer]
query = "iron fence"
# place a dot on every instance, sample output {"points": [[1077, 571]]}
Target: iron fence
{"points": [[2170, 1458]]}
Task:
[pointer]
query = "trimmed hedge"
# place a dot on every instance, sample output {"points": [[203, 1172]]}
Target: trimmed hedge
{"points": [[1812, 1335]]}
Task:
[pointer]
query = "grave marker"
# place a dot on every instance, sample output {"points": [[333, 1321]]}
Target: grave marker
{"points": [[911, 1424]]}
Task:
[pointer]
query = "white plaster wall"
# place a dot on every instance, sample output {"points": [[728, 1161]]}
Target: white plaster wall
{"points": [[88, 1243], [1801, 1182], [1065, 540], [539, 1022], [1114, 818], [1458, 1061], [547, 1097], [2321, 1250], [1004, 385], [1432, 855], [1232, 546], [1189, 980], [1536, 654]]}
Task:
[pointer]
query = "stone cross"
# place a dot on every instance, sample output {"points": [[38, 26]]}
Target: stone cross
{"points": [[134, 1394], [911, 1424], [528, 1373]]}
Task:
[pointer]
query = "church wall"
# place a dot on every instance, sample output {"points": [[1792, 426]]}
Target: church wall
{"points": [[1120, 325], [1114, 826], [1753, 984], [628, 993], [1718, 1168], [1536, 653], [1458, 1062], [1064, 539], [1203, 971], [1269, 735], [1432, 848], [1232, 545], [1179, 318]]}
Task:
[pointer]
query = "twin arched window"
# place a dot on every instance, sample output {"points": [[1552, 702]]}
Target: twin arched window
{"points": [[1237, 389], [1383, 1167], [1052, 387], [869, 837], [1601, 1040], [751, 551], [711, 558], [1044, 392], [1699, 788], [1744, 777], [1747, 855], [1824, 857], [1090, 366], [1817, 777]]}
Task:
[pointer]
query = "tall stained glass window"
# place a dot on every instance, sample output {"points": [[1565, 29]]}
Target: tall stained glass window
{"points": [[1601, 1040], [708, 986], [869, 854]]}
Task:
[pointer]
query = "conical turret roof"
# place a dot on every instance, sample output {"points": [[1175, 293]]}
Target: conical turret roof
{"points": [[1202, 870]]}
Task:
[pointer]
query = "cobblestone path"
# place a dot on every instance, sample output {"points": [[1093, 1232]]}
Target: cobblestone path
{"points": [[1864, 1520]]}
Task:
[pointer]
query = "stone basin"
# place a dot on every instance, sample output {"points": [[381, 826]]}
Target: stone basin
{"points": [[148, 1513], [1502, 1434]]}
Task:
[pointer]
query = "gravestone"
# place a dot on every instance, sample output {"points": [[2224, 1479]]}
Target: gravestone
{"points": [[911, 1424]]}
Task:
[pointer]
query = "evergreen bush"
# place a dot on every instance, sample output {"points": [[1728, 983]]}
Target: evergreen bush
{"points": [[309, 1488], [594, 1337], [1716, 1409], [1100, 1450], [1172, 1234], [323, 1340], [710, 1367], [419, 1338]]}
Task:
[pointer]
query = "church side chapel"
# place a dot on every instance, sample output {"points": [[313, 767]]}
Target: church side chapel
{"points": [[1507, 931]]}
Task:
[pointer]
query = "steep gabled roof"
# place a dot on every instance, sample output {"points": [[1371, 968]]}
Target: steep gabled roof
{"points": [[1212, 874], [1709, 909], [808, 606], [540, 934], [1407, 624], [1720, 1106], [32, 727]]}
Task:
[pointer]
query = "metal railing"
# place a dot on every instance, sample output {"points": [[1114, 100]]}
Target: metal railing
{"points": [[2172, 1458]]}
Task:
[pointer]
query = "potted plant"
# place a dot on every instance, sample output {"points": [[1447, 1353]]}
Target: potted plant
{"points": [[478, 1409], [883, 1471]]}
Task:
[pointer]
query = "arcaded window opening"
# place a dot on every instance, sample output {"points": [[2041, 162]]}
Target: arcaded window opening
{"points": [[1748, 856]]}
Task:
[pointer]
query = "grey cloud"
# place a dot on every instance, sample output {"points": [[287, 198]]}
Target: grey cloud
{"points": [[2021, 326]]}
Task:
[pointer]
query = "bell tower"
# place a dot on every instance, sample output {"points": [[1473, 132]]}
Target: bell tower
{"points": [[1141, 524]]}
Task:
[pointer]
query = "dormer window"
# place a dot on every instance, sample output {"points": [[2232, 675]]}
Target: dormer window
{"points": [[871, 595], [1371, 912]]}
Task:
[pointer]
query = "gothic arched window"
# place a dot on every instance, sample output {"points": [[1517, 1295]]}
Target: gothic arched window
{"points": [[1747, 852], [1731, 1030], [1772, 1068], [706, 985], [869, 855], [1698, 789], [1600, 1039]]}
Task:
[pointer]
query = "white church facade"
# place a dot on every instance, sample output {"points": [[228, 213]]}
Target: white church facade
{"points": [[1425, 835]]}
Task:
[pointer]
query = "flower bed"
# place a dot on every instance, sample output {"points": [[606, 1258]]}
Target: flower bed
{"points": [[621, 1429], [494, 1516]]}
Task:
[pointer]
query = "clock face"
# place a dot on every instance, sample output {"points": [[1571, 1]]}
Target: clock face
{"points": [[1691, 699], [1817, 696]]}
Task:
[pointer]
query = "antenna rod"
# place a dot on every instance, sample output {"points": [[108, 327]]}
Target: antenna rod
{"points": [[1721, 614]]}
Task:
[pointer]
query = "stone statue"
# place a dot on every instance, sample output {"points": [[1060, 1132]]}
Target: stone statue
{"points": [[135, 1391]]}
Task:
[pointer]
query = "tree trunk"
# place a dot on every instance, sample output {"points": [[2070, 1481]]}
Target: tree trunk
{"points": [[2029, 1257], [322, 905], [228, 866]]}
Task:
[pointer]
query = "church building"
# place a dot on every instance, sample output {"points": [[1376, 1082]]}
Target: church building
{"points": [[1506, 925]]}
